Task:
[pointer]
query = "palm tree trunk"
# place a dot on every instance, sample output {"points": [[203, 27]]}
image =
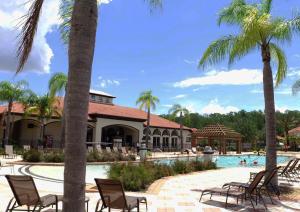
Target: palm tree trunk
{"points": [[148, 127], [181, 136], [8, 118], [271, 154], [63, 123], [81, 52]]}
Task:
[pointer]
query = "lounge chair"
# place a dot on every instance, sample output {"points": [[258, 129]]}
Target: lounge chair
{"points": [[194, 150], [26, 195], [108, 149], [26, 148], [115, 149], [228, 192], [90, 149], [9, 152], [124, 151], [113, 196], [264, 184], [284, 173], [99, 149], [292, 171]]}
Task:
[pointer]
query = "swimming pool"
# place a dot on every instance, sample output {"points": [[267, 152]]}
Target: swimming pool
{"points": [[55, 173], [227, 161]]}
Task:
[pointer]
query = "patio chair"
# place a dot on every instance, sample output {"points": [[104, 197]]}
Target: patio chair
{"points": [[113, 197], [124, 151], [26, 148], [292, 170], [26, 195], [228, 192], [99, 149], [90, 149], [115, 149], [284, 173], [266, 183], [9, 152], [194, 150], [108, 149]]}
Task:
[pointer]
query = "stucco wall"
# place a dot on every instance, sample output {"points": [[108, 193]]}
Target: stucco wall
{"points": [[103, 122]]}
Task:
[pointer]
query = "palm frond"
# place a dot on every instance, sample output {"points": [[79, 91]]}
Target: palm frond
{"points": [[281, 30], [65, 11], [279, 57], [296, 87], [154, 4], [235, 13], [295, 24], [241, 46], [57, 83], [217, 51], [266, 6], [28, 32]]}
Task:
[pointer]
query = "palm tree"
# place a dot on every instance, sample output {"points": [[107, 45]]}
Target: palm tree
{"points": [[258, 30], [80, 22], [147, 101], [57, 85], [176, 110], [44, 107], [287, 121], [11, 93]]}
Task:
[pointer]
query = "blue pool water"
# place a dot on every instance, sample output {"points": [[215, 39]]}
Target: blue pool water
{"points": [[99, 171], [226, 161]]}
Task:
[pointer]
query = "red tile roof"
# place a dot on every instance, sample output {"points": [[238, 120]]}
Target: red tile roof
{"points": [[114, 111], [294, 131]]}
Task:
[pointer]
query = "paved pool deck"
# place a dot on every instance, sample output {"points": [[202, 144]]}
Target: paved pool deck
{"points": [[178, 193]]}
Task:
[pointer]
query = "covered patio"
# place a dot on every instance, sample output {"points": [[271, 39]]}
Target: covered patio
{"points": [[222, 134]]}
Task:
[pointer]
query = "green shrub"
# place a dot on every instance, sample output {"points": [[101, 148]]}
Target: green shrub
{"points": [[136, 177], [182, 167], [54, 157], [32, 156]]}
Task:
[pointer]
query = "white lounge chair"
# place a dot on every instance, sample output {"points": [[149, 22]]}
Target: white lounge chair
{"points": [[108, 150], [99, 149], [26, 148], [90, 149], [9, 151], [115, 149]]}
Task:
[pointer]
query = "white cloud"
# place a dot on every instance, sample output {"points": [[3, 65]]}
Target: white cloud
{"points": [[282, 91], [103, 83], [189, 61], [232, 77], [167, 106], [214, 107], [282, 109], [40, 57], [180, 96], [105, 1], [294, 72], [297, 55]]}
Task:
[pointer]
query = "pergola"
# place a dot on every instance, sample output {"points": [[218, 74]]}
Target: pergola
{"points": [[221, 133]]}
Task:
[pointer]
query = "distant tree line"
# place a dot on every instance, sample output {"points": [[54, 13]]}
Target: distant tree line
{"points": [[250, 124]]}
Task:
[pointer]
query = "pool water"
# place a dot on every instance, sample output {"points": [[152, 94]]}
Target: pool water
{"points": [[100, 171]]}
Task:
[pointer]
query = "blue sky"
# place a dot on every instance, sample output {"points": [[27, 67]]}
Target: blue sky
{"points": [[137, 50]]}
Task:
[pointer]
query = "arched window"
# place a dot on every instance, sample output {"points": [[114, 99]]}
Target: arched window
{"points": [[156, 132], [174, 133], [166, 133]]}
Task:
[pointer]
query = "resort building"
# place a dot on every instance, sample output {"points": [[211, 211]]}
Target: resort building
{"points": [[108, 125]]}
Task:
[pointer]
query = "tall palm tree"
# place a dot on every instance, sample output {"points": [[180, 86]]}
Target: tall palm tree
{"points": [[44, 107], [258, 29], [80, 22], [10, 93], [176, 110], [147, 101], [58, 85]]}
